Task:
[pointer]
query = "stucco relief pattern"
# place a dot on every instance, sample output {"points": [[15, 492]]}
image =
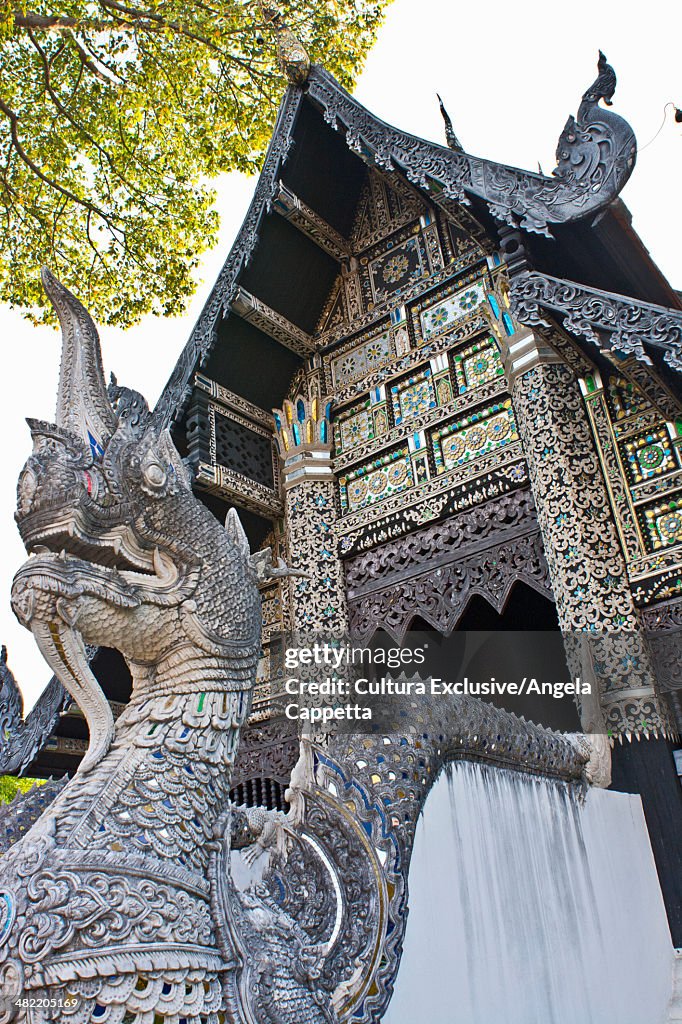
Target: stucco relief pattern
{"points": [[586, 563]]}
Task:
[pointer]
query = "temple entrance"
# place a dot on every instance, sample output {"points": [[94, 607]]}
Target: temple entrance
{"points": [[530, 648]]}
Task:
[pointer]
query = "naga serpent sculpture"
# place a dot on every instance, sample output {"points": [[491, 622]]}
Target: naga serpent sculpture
{"points": [[119, 904]]}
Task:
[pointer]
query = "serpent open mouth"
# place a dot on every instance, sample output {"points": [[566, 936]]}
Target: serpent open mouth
{"points": [[116, 549]]}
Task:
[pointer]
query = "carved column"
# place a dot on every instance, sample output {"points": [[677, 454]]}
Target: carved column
{"points": [[318, 602], [585, 559], [198, 426]]}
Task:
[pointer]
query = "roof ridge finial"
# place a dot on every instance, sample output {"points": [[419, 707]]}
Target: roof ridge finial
{"points": [[604, 84], [450, 137], [292, 55]]}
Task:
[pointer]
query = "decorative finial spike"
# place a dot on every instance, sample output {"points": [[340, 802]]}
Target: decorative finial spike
{"points": [[292, 55], [604, 84], [450, 137]]}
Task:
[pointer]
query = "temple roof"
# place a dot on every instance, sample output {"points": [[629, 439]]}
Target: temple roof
{"points": [[573, 226]]}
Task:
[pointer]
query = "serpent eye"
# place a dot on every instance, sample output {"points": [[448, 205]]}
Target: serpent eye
{"points": [[154, 473], [93, 483]]}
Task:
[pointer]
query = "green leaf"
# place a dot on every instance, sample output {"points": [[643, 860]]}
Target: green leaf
{"points": [[112, 117], [10, 785]]}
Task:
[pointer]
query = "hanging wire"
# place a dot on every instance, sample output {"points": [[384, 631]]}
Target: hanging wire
{"points": [[678, 120]]}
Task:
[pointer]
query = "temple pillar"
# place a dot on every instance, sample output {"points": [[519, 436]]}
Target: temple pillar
{"points": [[318, 600], [586, 562]]}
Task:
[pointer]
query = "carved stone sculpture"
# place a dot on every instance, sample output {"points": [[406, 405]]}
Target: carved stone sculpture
{"points": [[123, 554], [119, 903], [24, 737]]}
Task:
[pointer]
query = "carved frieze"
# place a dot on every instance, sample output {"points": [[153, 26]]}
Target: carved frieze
{"points": [[453, 451], [360, 360], [236, 403], [433, 572], [363, 445], [240, 490], [465, 268], [386, 204], [431, 502]]}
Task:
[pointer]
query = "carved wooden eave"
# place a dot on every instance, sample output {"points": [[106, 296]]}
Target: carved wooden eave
{"points": [[178, 388], [609, 321], [596, 156]]}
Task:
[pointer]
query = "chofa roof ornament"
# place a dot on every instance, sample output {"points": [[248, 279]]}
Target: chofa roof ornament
{"points": [[595, 159], [585, 153]]}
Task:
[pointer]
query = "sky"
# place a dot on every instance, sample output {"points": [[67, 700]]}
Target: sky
{"points": [[510, 73]]}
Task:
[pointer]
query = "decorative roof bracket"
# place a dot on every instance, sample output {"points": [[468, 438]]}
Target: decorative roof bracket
{"points": [[602, 318], [293, 209], [255, 312]]}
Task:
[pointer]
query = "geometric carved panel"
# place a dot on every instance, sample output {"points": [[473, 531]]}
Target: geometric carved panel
{"points": [[362, 360], [397, 268], [412, 396], [354, 429], [477, 364], [478, 434], [243, 450], [445, 314], [662, 524], [649, 455], [378, 480]]}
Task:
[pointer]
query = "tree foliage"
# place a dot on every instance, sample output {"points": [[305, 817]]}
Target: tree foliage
{"points": [[113, 116], [10, 785]]}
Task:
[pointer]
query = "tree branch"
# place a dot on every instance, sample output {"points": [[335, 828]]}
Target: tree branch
{"points": [[149, 21], [89, 63], [76, 125], [54, 23], [13, 121]]}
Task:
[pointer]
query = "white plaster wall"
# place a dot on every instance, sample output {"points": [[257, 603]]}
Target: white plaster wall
{"points": [[532, 905]]}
